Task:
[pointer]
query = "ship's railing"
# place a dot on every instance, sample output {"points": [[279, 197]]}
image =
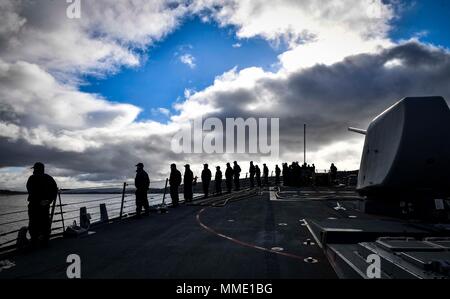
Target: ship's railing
{"points": [[109, 206], [70, 206]]}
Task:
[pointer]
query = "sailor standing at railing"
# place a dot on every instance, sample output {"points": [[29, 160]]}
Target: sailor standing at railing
{"points": [[188, 182], [229, 177], [236, 175], [142, 184], [258, 176], [218, 180], [206, 179], [252, 171], [277, 175], [175, 182], [266, 175], [333, 173], [42, 191]]}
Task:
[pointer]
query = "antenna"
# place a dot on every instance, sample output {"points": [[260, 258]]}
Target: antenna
{"points": [[304, 144], [359, 131]]}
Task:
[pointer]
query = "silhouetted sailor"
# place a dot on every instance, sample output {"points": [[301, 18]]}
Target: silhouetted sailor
{"points": [[252, 175], [258, 176], [266, 175], [187, 183], [229, 177], [142, 184], [175, 182], [42, 191], [206, 179], [285, 174], [298, 173], [333, 173], [313, 175], [277, 175], [236, 175], [218, 180]]}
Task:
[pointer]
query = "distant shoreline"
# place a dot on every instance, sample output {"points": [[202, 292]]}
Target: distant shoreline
{"points": [[197, 188], [68, 191], [9, 192]]}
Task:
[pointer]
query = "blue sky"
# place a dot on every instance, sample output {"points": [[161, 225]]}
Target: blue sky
{"points": [[72, 128], [429, 18], [162, 79]]}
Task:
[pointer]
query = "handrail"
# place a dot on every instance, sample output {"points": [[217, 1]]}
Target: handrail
{"points": [[123, 199], [61, 219], [9, 233], [126, 209], [94, 200], [8, 242], [12, 213], [14, 221], [88, 188], [76, 210]]}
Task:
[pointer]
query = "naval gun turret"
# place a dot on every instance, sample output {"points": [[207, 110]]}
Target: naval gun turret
{"points": [[406, 154]]}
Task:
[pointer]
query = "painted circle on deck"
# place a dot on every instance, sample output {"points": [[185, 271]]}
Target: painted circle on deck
{"points": [[309, 242], [310, 260], [302, 222], [277, 248]]}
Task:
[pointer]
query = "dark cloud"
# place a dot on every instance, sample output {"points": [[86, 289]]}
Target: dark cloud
{"points": [[350, 93], [327, 98], [44, 117]]}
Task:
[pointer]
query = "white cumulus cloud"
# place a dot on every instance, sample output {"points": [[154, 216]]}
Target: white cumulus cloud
{"points": [[188, 59], [340, 69]]}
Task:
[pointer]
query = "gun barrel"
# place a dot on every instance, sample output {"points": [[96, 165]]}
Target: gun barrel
{"points": [[359, 131]]}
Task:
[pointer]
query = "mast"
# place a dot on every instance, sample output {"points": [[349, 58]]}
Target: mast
{"points": [[304, 144]]}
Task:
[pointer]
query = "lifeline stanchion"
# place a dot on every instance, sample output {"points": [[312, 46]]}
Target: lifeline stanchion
{"points": [[53, 211], [163, 208], [61, 210], [123, 200]]}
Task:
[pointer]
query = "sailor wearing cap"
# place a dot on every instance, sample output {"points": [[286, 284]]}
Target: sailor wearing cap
{"points": [[175, 182], [142, 184], [187, 183], [206, 179], [42, 191]]}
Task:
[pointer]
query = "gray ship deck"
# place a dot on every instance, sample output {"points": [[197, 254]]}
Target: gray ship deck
{"points": [[240, 240], [176, 245]]}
